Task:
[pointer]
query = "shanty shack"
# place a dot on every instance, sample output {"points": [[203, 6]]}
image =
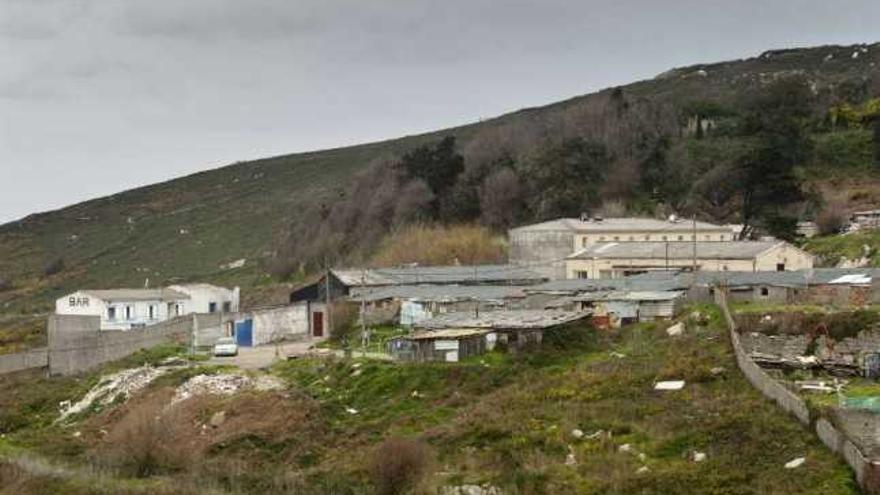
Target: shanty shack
{"points": [[616, 308], [449, 345], [515, 328], [410, 304]]}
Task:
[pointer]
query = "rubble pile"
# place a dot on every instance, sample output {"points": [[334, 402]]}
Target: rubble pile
{"points": [[223, 384], [111, 387]]}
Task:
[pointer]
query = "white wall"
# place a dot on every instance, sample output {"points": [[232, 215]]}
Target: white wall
{"points": [[281, 323], [82, 303], [202, 295]]}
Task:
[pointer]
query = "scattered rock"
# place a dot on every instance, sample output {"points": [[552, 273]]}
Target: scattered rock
{"points": [[357, 372], [699, 456], [470, 490], [718, 370], [642, 456], [675, 330], [217, 419], [233, 264], [351, 410], [625, 448], [595, 435], [794, 463], [618, 355], [642, 470], [577, 433], [570, 460], [77, 434]]}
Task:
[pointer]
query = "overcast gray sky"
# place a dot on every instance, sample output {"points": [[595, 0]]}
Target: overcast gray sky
{"points": [[98, 96]]}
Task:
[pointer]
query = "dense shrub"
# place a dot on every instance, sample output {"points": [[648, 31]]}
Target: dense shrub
{"points": [[53, 267], [399, 465]]}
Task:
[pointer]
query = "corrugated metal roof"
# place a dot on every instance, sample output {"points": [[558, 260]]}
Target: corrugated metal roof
{"points": [[622, 224], [436, 275], [628, 296], [570, 286], [499, 320], [137, 295], [675, 250], [438, 293], [449, 333]]}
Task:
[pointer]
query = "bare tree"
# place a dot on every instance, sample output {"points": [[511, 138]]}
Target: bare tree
{"points": [[501, 199]]}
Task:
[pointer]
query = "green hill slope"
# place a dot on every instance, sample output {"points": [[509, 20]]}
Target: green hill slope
{"points": [[189, 227]]}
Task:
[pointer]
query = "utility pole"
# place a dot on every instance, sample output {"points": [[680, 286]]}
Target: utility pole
{"points": [[694, 239], [365, 338], [476, 300], [667, 256], [327, 299]]}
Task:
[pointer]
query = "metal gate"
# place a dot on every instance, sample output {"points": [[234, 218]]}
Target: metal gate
{"points": [[244, 333]]}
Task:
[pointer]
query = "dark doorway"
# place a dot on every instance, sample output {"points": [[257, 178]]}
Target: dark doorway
{"points": [[318, 324]]}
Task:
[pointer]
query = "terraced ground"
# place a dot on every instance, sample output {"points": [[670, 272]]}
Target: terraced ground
{"points": [[505, 420]]}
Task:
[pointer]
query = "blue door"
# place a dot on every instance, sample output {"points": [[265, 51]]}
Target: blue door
{"points": [[244, 333]]}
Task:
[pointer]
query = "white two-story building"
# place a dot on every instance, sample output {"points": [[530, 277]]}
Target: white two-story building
{"points": [[124, 309]]}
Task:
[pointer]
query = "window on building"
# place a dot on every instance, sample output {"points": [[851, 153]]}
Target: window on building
{"points": [[647, 238], [631, 238], [227, 306], [128, 313], [583, 242], [616, 238], [765, 291], [780, 267], [681, 238], [212, 307], [722, 237], [665, 238], [152, 312], [582, 274], [601, 238], [708, 237], [111, 313]]}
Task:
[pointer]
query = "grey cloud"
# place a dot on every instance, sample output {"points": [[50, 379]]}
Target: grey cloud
{"points": [[102, 95]]}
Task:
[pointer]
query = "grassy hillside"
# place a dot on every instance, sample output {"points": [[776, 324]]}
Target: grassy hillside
{"points": [[189, 227], [503, 420]]}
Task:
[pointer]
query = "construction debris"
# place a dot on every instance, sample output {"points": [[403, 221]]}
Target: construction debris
{"points": [[111, 387], [699, 456], [794, 463], [675, 330], [669, 385], [577, 433], [210, 385]]}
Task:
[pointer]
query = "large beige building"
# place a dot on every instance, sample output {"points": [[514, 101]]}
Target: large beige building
{"points": [[545, 246], [619, 259]]}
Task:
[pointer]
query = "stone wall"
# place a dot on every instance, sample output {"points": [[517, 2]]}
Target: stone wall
{"points": [[34, 358], [835, 439], [77, 344]]}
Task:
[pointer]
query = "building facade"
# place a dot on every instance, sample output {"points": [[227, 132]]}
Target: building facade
{"points": [[125, 309], [614, 260], [543, 247]]}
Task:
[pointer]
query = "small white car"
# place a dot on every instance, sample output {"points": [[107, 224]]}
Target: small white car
{"points": [[225, 346]]}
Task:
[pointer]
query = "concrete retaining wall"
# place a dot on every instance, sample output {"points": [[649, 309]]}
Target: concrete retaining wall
{"points": [[77, 344], [833, 438], [34, 358]]}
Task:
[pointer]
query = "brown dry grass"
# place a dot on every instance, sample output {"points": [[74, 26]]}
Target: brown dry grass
{"points": [[400, 465], [145, 437], [436, 245]]}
